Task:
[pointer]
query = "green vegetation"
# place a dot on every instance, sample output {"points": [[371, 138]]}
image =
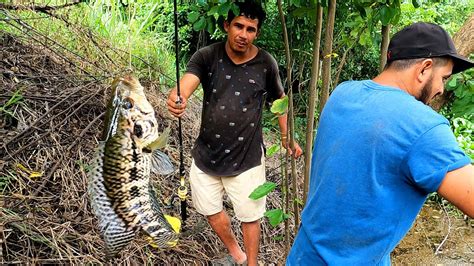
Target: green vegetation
{"points": [[8, 108]]}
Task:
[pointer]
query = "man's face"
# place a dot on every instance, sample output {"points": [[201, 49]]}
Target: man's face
{"points": [[436, 82], [241, 32]]}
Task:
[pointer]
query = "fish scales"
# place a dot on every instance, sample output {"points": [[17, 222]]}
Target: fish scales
{"points": [[119, 184]]}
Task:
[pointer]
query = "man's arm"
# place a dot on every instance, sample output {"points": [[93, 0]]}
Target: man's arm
{"points": [[188, 84], [458, 188], [282, 123]]}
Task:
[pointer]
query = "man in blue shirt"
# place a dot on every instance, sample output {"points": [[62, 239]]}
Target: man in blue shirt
{"points": [[380, 150]]}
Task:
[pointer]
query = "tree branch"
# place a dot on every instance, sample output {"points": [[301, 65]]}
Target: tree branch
{"points": [[39, 8]]}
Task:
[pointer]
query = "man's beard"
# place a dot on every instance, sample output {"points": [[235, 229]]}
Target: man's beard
{"points": [[425, 95]]}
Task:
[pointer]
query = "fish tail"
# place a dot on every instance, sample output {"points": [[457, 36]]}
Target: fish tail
{"points": [[160, 236]]}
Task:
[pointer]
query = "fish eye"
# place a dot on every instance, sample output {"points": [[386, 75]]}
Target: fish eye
{"points": [[127, 103]]}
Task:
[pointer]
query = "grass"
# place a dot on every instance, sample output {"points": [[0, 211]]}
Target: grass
{"points": [[129, 36], [9, 105]]}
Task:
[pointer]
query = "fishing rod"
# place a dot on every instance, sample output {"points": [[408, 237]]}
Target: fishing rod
{"points": [[182, 189]]}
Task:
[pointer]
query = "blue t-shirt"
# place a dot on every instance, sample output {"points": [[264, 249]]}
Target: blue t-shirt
{"points": [[378, 153]]}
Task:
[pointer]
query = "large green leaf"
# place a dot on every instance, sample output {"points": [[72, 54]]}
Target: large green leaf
{"points": [[388, 14], [280, 106], [224, 8], [262, 190], [453, 82], [193, 16], [276, 216], [213, 11], [200, 24]]}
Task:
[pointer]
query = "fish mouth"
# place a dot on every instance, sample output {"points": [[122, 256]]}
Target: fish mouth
{"points": [[138, 130], [146, 130]]}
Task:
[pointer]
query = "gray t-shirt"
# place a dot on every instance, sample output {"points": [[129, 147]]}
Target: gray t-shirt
{"points": [[230, 139]]}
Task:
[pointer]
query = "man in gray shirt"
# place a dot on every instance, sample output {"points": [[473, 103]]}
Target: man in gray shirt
{"points": [[228, 155]]}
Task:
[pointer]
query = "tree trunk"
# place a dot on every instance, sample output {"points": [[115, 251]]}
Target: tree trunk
{"points": [[327, 54], [464, 38], [290, 134], [384, 46], [464, 42], [313, 93]]}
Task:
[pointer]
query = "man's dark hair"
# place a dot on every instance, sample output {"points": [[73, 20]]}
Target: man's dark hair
{"points": [[403, 64], [250, 9]]}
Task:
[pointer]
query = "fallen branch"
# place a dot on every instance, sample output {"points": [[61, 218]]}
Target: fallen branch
{"points": [[449, 230], [5, 146], [39, 8], [55, 167]]}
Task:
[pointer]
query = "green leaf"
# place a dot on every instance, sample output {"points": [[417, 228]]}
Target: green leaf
{"points": [[224, 8], [273, 149], [461, 91], [262, 190], [452, 83], [416, 3], [235, 9], [280, 106], [200, 24], [387, 14], [193, 16], [396, 16], [276, 216], [213, 11]]}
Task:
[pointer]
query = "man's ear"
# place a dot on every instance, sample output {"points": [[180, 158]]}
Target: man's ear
{"points": [[424, 70], [226, 25]]}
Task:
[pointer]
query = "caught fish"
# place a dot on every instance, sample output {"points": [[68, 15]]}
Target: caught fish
{"points": [[119, 184]]}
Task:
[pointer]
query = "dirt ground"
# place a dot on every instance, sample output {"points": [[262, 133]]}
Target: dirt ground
{"points": [[433, 227]]}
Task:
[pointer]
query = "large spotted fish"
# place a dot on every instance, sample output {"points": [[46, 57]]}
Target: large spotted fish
{"points": [[119, 183]]}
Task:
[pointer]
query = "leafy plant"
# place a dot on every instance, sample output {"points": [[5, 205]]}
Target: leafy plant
{"points": [[262, 190], [275, 216], [280, 106], [462, 85], [463, 129]]}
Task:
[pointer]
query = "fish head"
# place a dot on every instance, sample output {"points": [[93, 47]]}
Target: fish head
{"points": [[131, 111]]}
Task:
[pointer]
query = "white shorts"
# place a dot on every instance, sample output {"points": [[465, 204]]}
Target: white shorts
{"points": [[207, 192]]}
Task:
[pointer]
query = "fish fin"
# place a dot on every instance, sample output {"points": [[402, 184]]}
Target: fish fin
{"points": [[155, 203], [174, 222], [176, 225], [114, 232], [161, 163], [163, 231], [161, 141]]}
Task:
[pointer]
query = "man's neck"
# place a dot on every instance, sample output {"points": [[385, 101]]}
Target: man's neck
{"points": [[397, 79], [240, 58]]}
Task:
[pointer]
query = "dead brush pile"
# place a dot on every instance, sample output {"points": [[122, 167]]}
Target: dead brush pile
{"points": [[51, 119]]}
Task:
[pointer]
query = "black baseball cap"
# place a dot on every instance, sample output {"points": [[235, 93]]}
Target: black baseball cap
{"points": [[425, 40]]}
